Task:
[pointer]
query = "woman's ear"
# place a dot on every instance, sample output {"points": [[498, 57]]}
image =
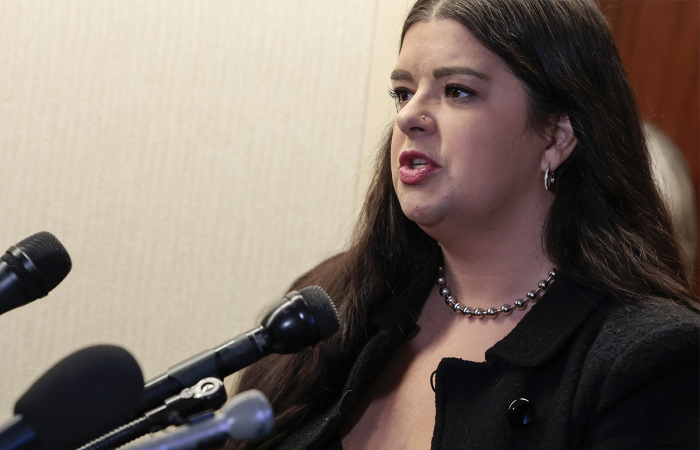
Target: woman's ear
{"points": [[562, 144]]}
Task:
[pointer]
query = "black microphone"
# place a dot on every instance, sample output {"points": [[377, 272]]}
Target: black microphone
{"points": [[30, 269], [246, 416], [303, 319], [83, 396]]}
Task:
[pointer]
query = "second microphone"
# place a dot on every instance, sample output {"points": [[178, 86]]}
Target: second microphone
{"points": [[303, 319]]}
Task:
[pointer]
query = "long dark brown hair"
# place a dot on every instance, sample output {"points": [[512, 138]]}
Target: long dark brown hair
{"points": [[607, 227]]}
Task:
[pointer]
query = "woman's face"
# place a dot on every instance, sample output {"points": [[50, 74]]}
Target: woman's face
{"points": [[462, 149]]}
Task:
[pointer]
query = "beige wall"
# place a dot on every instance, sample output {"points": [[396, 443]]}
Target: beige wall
{"points": [[192, 156]]}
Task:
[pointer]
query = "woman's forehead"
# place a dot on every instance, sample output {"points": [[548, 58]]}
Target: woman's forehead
{"points": [[445, 43]]}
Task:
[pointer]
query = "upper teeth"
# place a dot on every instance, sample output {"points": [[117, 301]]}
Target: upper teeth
{"points": [[417, 161]]}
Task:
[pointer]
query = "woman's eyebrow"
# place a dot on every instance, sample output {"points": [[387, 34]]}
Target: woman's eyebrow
{"points": [[440, 72], [401, 75], [447, 71]]}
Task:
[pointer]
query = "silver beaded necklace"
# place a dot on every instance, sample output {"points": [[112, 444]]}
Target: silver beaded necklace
{"points": [[491, 313]]}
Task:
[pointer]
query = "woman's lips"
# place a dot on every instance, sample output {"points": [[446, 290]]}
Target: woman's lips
{"points": [[415, 167]]}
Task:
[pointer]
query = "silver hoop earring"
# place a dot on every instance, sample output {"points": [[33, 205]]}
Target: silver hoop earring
{"points": [[548, 179]]}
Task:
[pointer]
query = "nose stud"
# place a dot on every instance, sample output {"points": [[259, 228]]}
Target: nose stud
{"points": [[423, 117]]}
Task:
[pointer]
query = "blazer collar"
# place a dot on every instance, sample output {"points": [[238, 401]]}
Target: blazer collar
{"points": [[549, 324]]}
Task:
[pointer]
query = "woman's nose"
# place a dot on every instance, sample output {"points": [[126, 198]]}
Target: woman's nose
{"points": [[416, 117]]}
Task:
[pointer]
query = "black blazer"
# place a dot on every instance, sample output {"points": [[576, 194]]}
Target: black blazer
{"points": [[582, 370]]}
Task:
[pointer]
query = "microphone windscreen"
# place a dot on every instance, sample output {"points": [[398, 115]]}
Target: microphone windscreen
{"points": [[49, 256], [322, 308], [83, 396]]}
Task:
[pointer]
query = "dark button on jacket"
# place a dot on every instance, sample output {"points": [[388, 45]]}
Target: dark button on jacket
{"points": [[521, 412], [597, 372]]}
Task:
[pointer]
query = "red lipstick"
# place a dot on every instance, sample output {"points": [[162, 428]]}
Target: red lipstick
{"points": [[415, 167]]}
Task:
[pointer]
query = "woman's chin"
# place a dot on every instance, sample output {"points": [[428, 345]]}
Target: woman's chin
{"points": [[425, 216]]}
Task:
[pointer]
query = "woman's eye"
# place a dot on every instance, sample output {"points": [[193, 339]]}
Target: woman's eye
{"points": [[458, 92], [400, 96]]}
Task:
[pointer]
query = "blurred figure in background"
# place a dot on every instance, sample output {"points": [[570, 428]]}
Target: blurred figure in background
{"points": [[673, 178]]}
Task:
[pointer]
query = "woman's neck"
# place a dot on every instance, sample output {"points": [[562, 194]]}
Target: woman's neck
{"points": [[496, 265]]}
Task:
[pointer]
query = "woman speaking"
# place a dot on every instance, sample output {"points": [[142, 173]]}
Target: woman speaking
{"points": [[513, 282]]}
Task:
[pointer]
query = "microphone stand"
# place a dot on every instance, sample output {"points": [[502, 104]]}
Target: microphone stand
{"points": [[206, 396]]}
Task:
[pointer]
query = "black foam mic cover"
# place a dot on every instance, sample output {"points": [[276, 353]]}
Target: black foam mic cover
{"points": [[83, 396]]}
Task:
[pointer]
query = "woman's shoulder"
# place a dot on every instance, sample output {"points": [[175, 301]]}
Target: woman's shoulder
{"points": [[642, 372], [647, 327], [642, 343]]}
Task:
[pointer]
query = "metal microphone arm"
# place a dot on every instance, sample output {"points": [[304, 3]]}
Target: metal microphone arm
{"points": [[207, 395]]}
